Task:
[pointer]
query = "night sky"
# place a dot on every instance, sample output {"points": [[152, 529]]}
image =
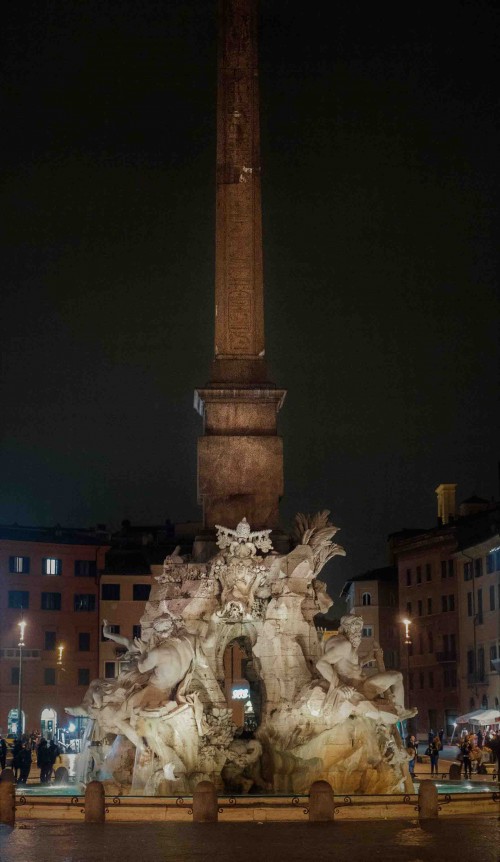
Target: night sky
{"points": [[380, 154]]}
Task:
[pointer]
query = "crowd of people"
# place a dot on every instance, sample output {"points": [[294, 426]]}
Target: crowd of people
{"points": [[475, 750], [27, 750]]}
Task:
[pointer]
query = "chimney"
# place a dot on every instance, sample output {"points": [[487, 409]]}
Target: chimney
{"points": [[446, 500]]}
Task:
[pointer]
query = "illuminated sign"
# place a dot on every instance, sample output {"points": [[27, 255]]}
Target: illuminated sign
{"points": [[241, 693]]}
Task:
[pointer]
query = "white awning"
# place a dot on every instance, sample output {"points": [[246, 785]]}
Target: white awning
{"points": [[480, 716]]}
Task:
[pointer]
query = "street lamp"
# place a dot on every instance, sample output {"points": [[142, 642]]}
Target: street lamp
{"points": [[22, 626], [407, 624], [60, 650]]}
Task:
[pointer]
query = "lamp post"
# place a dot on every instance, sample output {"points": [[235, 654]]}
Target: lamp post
{"points": [[407, 624], [22, 626], [60, 650]]}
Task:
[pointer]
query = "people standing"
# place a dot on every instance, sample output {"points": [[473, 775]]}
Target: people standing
{"points": [[465, 751], [441, 736], [24, 761], [53, 751], [16, 750], [3, 752], [43, 761], [412, 748], [434, 749]]}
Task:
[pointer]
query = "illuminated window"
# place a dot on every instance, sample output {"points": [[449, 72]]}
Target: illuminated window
{"points": [[51, 566], [19, 565]]}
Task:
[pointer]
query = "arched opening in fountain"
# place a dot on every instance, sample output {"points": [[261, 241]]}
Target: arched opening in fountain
{"points": [[242, 684]]}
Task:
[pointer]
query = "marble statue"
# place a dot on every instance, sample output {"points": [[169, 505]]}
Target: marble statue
{"points": [[166, 722]]}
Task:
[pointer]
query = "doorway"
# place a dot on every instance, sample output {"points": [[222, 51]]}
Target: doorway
{"points": [[48, 723]]}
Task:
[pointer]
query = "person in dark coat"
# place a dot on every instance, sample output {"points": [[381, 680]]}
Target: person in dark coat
{"points": [[43, 761], [465, 751], [434, 749], [54, 753], [24, 760], [16, 750], [3, 752]]}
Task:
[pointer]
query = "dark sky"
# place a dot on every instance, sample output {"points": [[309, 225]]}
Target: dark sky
{"points": [[380, 152]]}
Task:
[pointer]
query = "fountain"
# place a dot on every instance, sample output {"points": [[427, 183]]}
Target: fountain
{"points": [[165, 724]]}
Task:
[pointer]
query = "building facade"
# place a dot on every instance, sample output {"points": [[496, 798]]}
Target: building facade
{"points": [[374, 596], [49, 582]]}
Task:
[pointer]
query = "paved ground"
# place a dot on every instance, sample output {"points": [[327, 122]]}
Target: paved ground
{"points": [[465, 840]]}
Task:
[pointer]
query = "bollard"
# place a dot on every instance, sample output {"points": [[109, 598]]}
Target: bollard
{"points": [[7, 775], [427, 800], [205, 803], [7, 803], [94, 803], [455, 772], [321, 804]]}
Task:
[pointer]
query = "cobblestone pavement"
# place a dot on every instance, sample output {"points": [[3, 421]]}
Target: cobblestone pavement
{"points": [[465, 839]]}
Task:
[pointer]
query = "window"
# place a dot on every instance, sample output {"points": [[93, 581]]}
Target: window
{"points": [[492, 598], [470, 662], [490, 562], [478, 567], [451, 568], [484, 702], [109, 670], [410, 681], [479, 606], [19, 565], [367, 632], [419, 574], [50, 641], [431, 641], [420, 607], [428, 572], [85, 569], [84, 642], [49, 676], [429, 606], [136, 632], [469, 605], [480, 664], [451, 603], [468, 571], [431, 679], [408, 577], [83, 676], [443, 568], [19, 599], [420, 644], [444, 603], [51, 602], [113, 629], [408, 608], [141, 592], [14, 676], [421, 679], [446, 645], [110, 592], [84, 602], [493, 655], [51, 566], [453, 677], [446, 678]]}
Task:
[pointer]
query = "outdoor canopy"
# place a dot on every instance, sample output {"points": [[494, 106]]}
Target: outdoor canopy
{"points": [[480, 716]]}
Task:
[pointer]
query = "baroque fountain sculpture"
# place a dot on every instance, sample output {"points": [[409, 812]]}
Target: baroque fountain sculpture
{"points": [[164, 724]]}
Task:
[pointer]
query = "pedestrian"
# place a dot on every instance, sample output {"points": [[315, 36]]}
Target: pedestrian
{"points": [[411, 749], [434, 749], [53, 751], [480, 738], [465, 751], [24, 760], [3, 752], [430, 736], [43, 761], [16, 749]]}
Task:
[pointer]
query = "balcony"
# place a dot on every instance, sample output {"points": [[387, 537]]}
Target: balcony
{"points": [[443, 657]]}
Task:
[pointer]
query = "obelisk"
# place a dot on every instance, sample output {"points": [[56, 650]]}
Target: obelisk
{"points": [[240, 456]]}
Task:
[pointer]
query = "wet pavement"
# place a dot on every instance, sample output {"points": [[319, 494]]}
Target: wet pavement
{"points": [[475, 839]]}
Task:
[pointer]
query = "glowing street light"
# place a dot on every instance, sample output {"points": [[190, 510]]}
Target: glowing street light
{"points": [[21, 644], [60, 650], [407, 623]]}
